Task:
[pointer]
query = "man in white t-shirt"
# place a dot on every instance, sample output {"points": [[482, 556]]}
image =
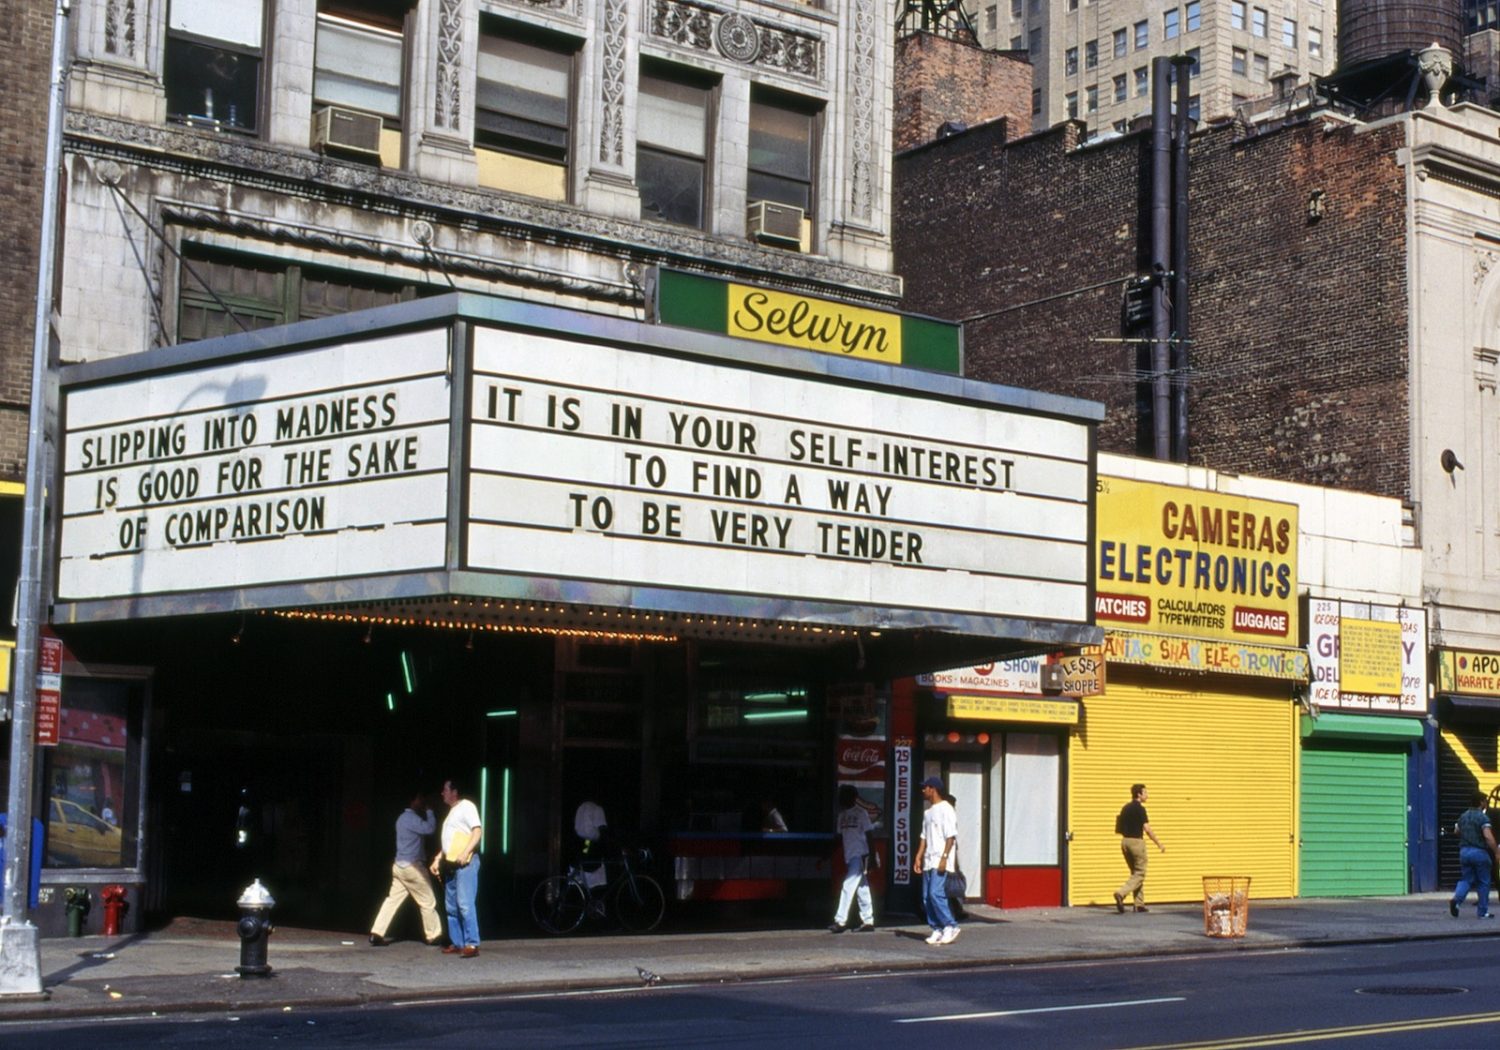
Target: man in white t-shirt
{"points": [[590, 825], [936, 854], [854, 829], [458, 865]]}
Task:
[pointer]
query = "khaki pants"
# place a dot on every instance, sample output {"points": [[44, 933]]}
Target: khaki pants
{"points": [[410, 880], [1135, 856]]}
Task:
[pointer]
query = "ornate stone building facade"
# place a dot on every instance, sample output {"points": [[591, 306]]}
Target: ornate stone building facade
{"points": [[239, 163]]}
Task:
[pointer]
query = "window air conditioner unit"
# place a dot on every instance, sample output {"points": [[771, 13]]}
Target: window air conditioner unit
{"points": [[336, 128], [779, 224]]}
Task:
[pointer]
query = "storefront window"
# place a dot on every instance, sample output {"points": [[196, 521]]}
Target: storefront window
{"points": [[1031, 798], [92, 777]]}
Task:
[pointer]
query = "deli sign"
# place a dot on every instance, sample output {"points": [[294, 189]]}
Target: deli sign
{"points": [[1193, 563]]}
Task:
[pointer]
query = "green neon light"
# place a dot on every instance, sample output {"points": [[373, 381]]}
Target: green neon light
{"points": [[509, 712], [505, 811], [406, 672], [484, 794], [390, 701], [775, 716]]}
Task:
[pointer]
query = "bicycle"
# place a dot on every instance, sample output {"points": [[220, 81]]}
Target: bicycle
{"points": [[561, 902]]}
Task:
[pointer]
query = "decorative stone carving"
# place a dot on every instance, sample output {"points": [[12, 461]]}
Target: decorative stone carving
{"points": [[862, 113], [612, 84], [449, 49], [737, 37], [1483, 263], [1484, 368], [119, 28]]}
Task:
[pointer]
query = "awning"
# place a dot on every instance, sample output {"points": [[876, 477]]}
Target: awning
{"points": [[1469, 708], [1361, 727]]}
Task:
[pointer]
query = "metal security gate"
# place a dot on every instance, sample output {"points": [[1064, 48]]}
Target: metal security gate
{"points": [[1353, 819]]}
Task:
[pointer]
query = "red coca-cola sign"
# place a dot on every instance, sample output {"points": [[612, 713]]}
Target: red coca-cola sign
{"points": [[861, 760]]}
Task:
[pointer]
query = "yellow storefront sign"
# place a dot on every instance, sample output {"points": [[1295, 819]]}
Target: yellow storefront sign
{"points": [[814, 324], [1466, 671], [1200, 654], [1369, 657], [1014, 709], [1181, 561]]}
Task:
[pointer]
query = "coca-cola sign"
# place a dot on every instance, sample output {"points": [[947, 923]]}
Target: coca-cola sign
{"points": [[861, 760]]}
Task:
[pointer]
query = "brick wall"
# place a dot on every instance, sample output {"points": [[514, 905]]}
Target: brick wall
{"points": [[1299, 351], [940, 80], [23, 132]]}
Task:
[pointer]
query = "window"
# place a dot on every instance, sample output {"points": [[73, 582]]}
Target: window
{"points": [[1262, 67], [1015, 8], [1015, 43], [1237, 14], [1195, 111], [1289, 32], [1091, 54], [1193, 55], [781, 151], [523, 107], [1121, 126], [1258, 21], [1091, 99], [991, 19], [93, 776], [1072, 101], [1122, 42], [1034, 42], [1036, 101], [1072, 5], [1314, 41], [1194, 16], [1036, 7], [1070, 61], [357, 65], [1239, 62], [671, 155], [261, 293], [1142, 34], [1171, 24], [211, 65], [1122, 88], [1142, 81]]}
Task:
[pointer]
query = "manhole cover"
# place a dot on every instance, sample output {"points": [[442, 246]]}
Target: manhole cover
{"points": [[1411, 989]]}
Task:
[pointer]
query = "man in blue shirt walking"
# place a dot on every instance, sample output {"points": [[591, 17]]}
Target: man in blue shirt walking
{"points": [[1476, 844], [409, 874]]}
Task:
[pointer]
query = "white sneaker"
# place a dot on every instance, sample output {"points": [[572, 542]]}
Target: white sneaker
{"points": [[937, 937], [949, 935]]}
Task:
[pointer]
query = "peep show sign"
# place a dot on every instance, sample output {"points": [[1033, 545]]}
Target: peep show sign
{"points": [[1189, 563]]}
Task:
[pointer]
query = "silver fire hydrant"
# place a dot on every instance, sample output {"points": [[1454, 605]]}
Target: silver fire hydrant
{"points": [[255, 930]]}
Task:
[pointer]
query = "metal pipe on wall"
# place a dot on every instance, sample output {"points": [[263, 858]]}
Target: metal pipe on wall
{"points": [[1161, 249], [1181, 130]]}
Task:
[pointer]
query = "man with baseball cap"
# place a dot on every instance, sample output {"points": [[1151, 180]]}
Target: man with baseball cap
{"points": [[939, 844]]}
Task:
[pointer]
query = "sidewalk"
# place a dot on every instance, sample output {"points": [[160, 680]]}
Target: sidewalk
{"points": [[189, 966]]}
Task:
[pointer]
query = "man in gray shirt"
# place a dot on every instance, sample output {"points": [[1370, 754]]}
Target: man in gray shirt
{"points": [[409, 876]]}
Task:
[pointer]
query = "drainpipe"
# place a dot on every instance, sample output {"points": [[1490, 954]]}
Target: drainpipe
{"points": [[1179, 348], [1161, 248]]}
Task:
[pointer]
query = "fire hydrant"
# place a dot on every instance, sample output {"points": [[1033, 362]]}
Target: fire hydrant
{"points": [[115, 907], [255, 930], [76, 904]]}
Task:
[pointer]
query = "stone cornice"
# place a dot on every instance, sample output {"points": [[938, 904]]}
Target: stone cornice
{"points": [[314, 177]]}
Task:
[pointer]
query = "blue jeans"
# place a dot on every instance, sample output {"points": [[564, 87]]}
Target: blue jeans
{"points": [[459, 894], [1475, 866], [935, 899]]}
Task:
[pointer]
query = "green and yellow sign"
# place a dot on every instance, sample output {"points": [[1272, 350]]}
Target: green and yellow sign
{"points": [[806, 323]]}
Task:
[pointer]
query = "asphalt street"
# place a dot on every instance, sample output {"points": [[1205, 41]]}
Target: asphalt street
{"points": [[1384, 995]]}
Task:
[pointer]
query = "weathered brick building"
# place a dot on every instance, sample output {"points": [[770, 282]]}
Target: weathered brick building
{"points": [[1299, 356]]}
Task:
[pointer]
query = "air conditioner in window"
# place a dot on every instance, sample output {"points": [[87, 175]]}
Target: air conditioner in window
{"points": [[336, 128], [773, 223]]}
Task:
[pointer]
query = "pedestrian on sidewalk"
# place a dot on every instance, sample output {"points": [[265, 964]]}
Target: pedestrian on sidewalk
{"points": [[1476, 845], [854, 831], [458, 866], [939, 840], [1134, 827], [409, 874]]}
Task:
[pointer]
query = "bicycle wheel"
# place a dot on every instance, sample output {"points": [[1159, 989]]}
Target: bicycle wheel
{"points": [[639, 903], [558, 905]]}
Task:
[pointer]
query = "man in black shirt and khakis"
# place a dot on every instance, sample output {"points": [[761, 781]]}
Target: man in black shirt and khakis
{"points": [[1134, 827]]}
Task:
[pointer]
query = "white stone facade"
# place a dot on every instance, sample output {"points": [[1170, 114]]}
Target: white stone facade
{"points": [[427, 222], [1235, 62]]}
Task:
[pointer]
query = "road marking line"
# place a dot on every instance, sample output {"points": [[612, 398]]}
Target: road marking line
{"points": [[1317, 1034], [1040, 1010]]}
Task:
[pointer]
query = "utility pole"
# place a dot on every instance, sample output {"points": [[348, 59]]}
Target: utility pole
{"points": [[20, 948]]}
